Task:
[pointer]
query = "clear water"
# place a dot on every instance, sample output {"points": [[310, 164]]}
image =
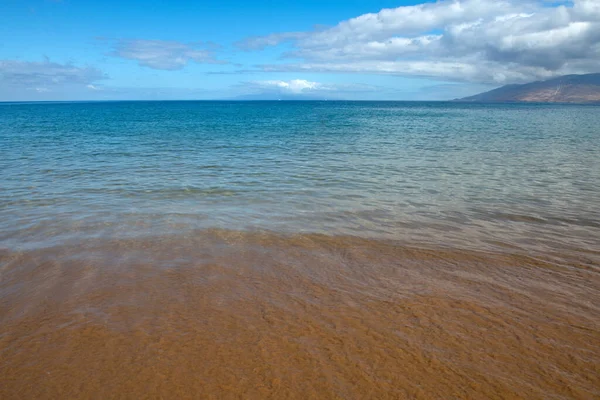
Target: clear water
{"points": [[479, 176], [313, 250]]}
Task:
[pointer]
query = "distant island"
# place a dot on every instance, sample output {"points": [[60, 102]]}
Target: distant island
{"points": [[575, 89]]}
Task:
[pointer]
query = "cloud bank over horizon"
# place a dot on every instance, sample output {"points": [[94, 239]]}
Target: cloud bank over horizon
{"points": [[45, 76], [302, 88], [482, 41]]}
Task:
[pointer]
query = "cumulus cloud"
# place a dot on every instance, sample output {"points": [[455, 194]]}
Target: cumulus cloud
{"points": [[165, 55], [487, 41], [41, 75], [479, 72], [302, 88], [292, 86]]}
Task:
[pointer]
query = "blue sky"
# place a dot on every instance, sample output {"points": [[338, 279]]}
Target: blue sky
{"points": [[346, 49]]}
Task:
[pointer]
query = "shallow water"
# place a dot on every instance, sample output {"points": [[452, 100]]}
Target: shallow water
{"points": [[299, 250]]}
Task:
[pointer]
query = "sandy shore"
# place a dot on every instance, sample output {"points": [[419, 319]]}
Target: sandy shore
{"points": [[231, 315]]}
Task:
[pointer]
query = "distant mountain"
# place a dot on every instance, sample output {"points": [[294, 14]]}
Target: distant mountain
{"points": [[579, 89]]}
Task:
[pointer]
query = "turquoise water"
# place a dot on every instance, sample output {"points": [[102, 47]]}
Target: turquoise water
{"points": [[494, 177]]}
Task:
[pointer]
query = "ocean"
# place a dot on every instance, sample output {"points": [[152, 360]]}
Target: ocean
{"points": [[318, 249]]}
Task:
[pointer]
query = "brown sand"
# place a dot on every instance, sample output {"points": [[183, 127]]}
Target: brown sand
{"points": [[228, 315]]}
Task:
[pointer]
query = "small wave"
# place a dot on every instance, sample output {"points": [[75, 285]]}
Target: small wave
{"points": [[519, 218], [172, 192]]}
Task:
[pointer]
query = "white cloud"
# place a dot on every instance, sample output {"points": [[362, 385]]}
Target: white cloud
{"points": [[500, 41], [302, 88], [411, 20], [260, 42], [452, 70], [165, 55], [42, 74], [293, 86]]}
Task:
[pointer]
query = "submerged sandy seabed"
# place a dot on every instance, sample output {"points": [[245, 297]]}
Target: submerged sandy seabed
{"points": [[231, 315]]}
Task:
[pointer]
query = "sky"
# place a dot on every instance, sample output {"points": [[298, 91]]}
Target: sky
{"points": [[66, 50]]}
